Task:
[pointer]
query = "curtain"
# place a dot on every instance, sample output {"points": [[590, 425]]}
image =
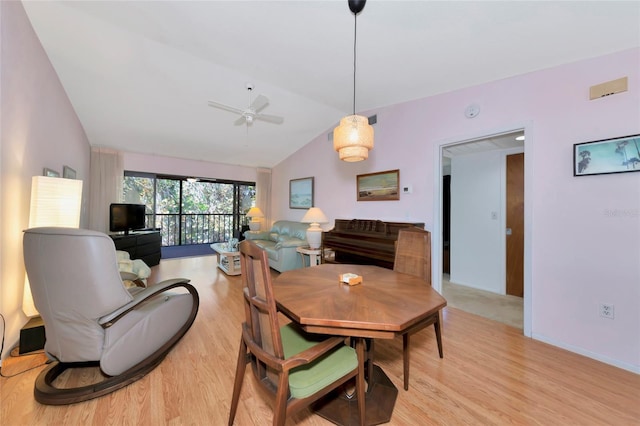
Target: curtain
{"points": [[107, 176], [263, 195]]}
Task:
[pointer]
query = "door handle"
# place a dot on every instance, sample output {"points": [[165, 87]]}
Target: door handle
{"points": [[509, 231]]}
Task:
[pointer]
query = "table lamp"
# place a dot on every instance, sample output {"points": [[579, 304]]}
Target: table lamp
{"points": [[255, 214], [315, 217]]}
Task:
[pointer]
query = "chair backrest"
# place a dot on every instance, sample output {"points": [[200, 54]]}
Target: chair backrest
{"points": [[413, 253], [74, 279], [260, 304]]}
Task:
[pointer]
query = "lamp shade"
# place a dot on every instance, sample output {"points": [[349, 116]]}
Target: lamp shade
{"points": [[54, 202], [255, 214], [315, 217], [353, 138]]}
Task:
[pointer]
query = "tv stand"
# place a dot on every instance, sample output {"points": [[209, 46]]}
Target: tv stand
{"points": [[143, 245]]}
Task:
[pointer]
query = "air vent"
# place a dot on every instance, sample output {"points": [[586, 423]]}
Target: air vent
{"points": [[609, 88]]}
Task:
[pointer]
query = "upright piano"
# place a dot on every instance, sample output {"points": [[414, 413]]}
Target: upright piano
{"points": [[363, 241]]}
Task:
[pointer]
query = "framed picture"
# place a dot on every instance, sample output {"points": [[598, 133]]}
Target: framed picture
{"points": [[68, 172], [50, 173], [301, 193], [616, 155], [379, 186]]}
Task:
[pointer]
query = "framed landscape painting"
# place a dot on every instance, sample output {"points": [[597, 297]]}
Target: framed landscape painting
{"points": [[616, 155], [380, 186], [301, 193]]}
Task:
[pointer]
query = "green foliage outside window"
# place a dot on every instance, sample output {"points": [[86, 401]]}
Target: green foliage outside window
{"points": [[207, 211]]}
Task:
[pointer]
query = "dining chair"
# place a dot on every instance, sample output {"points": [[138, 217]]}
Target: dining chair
{"points": [[295, 368], [413, 257]]}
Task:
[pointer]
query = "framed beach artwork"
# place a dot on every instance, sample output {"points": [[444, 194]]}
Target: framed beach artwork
{"points": [[616, 155], [380, 186], [301, 193]]}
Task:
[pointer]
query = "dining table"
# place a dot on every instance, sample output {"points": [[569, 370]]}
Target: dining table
{"points": [[386, 304]]}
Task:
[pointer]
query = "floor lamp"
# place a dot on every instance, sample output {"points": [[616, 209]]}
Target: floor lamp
{"points": [[54, 202]]}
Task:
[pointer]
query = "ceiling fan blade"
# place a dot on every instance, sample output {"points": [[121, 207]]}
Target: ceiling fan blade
{"points": [[225, 107], [270, 118], [240, 120], [259, 103]]}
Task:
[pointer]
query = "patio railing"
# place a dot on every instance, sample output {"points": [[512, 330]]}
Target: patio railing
{"points": [[183, 229]]}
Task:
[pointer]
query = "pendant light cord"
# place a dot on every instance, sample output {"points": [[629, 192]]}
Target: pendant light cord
{"points": [[355, 35]]}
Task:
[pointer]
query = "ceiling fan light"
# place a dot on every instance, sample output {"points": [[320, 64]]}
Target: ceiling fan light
{"points": [[353, 138]]}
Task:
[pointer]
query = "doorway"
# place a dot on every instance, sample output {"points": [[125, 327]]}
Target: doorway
{"points": [[489, 256]]}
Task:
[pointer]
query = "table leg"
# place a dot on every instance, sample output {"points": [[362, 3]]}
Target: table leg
{"points": [[380, 398]]}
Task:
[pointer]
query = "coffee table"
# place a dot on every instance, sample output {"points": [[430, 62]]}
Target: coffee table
{"points": [[228, 260], [384, 306]]}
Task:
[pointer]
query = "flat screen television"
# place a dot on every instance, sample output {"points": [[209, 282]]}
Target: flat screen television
{"points": [[126, 217]]}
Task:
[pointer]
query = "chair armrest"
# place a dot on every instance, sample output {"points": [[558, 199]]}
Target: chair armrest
{"points": [[291, 242], [256, 235], [138, 298], [314, 352], [302, 358]]}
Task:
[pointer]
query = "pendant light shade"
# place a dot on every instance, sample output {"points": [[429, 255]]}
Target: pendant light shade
{"points": [[353, 138]]}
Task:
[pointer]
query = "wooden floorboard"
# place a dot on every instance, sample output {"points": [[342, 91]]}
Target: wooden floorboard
{"points": [[490, 375]]}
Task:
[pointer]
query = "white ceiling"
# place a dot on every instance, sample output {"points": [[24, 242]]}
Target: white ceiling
{"points": [[139, 74]]}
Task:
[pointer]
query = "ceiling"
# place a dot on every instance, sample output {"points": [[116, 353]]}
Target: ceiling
{"points": [[140, 74], [496, 142]]}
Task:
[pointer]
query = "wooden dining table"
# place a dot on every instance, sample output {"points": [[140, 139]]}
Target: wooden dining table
{"points": [[385, 305]]}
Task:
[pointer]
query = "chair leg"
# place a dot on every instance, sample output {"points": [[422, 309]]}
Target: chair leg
{"points": [[237, 383], [406, 358], [436, 325]]}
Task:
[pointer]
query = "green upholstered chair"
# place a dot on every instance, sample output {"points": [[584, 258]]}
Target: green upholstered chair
{"points": [[295, 368]]}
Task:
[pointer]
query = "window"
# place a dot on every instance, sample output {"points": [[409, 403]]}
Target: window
{"points": [[191, 212]]}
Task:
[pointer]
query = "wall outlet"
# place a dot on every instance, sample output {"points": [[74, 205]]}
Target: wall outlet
{"points": [[607, 310]]}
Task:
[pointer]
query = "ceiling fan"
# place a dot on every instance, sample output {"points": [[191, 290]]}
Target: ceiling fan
{"points": [[251, 113]]}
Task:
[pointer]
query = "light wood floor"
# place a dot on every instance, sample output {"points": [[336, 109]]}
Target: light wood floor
{"points": [[490, 375]]}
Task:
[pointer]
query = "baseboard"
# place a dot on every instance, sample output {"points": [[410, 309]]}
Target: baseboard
{"points": [[589, 354], [32, 336]]}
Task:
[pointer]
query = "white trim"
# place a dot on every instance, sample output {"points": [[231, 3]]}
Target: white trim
{"points": [[580, 351], [436, 238]]}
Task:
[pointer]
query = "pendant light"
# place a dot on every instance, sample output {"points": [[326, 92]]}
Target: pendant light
{"points": [[353, 138]]}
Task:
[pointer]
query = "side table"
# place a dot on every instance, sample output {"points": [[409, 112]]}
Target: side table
{"points": [[228, 260], [314, 255]]}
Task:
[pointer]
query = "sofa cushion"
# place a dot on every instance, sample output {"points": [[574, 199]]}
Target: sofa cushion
{"points": [[290, 228]]}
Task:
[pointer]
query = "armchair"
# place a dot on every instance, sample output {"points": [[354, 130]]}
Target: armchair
{"points": [[296, 368], [91, 319]]}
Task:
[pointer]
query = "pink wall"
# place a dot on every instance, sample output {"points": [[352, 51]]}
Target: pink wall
{"points": [[580, 253], [39, 129]]}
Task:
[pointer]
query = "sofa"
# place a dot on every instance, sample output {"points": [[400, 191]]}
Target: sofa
{"points": [[280, 243]]}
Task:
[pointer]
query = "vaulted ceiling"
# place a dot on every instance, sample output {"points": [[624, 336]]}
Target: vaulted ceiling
{"points": [[140, 73]]}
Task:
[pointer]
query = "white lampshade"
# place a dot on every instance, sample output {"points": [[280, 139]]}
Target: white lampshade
{"points": [[353, 138], [255, 214], [54, 202], [315, 217]]}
